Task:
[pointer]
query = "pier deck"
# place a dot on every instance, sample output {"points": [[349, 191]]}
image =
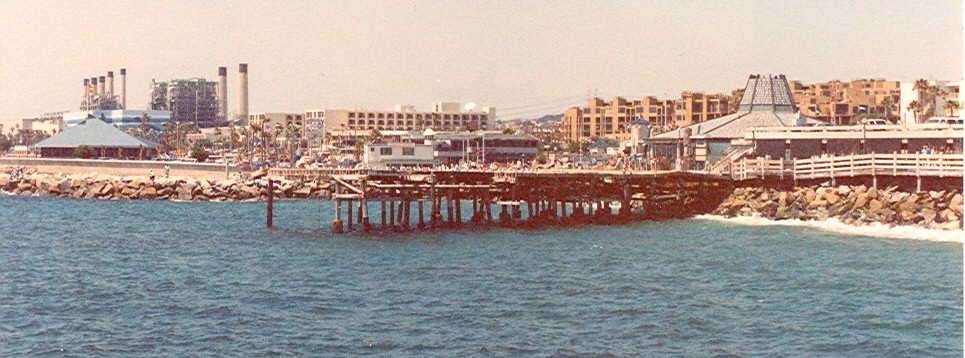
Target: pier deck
{"points": [[575, 196]]}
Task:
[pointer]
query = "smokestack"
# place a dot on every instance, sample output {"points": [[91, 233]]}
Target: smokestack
{"points": [[243, 91], [110, 84], [86, 92], [100, 86], [123, 88], [223, 92], [93, 84]]}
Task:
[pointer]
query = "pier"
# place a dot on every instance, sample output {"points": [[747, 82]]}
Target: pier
{"points": [[367, 200]]}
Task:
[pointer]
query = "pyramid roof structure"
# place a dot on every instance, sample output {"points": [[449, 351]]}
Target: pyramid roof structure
{"points": [[93, 132], [767, 102]]}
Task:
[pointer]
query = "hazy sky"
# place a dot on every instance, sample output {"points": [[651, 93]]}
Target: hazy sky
{"points": [[525, 57]]}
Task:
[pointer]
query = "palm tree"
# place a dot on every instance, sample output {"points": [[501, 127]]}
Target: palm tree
{"points": [[951, 106], [887, 103], [915, 108]]}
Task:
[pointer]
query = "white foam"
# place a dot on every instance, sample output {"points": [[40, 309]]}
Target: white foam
{"points": [[836, 226]]}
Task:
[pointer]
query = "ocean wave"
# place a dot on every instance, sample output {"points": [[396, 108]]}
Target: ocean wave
{"points": [[839, 227]]}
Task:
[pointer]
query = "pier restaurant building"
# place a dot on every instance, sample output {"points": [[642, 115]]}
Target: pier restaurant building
{"points": [[103, 140]]}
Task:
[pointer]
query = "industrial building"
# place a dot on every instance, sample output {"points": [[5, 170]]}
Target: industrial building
{"points": [[99, 93], [193, 100]]}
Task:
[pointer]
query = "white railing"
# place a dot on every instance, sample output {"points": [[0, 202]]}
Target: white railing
{"points": [[919, 165]]}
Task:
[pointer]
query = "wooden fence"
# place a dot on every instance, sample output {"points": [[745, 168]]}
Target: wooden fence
{"points": [[916, 165]]}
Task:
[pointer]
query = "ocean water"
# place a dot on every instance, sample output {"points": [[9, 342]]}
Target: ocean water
{"points": [[166, 279]]}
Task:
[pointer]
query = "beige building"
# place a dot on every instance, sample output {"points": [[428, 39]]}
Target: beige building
{"points": [[603, 119], [446, 116], [277, 120], [837, 102]]}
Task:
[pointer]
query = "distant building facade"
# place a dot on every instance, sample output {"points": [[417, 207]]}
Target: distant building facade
{"points": [[48, 123], [933, 99], [838, 102], [448, 116], [611, 119], [192, 100]]}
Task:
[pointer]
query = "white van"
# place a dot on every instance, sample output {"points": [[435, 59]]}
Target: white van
{"points": [[945, 120]]}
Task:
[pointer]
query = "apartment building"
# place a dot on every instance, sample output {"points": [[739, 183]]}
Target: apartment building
{"points": [[696, 107], [838, 102], [611, 119]]}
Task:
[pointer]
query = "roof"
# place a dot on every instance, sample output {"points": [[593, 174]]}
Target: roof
{"points": [[93, 132], [767, 102]]}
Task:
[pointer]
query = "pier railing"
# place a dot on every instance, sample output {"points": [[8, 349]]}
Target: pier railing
{"points": [[917, 165]]}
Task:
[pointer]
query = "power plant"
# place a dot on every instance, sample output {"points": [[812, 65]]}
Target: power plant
{"points": [[99, 93], [192, 100], [200, 101]]}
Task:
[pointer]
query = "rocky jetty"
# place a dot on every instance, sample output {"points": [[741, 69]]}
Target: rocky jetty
{"points": [[854, 205], [104, 187]]}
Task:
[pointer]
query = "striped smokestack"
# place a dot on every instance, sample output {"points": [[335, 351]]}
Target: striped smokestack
{"points": [[223, 92], [93, 84], [243, 92], [123, 88], [110, 83]]}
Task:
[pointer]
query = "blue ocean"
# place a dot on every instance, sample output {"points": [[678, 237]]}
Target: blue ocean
{"points": [[169, 279]]}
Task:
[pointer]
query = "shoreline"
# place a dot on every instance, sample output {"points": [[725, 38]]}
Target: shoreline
{"points": [[833, 225]]}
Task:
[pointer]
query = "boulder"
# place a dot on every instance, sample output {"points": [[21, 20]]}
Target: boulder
{"points": [[928, 214], [956, 203], [861, 199], [832, 198], [844, 190], [148, 192], [948, 215]]}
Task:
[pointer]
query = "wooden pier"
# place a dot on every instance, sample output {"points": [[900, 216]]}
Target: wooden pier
{"points": [[448, 199], [432, 199]]}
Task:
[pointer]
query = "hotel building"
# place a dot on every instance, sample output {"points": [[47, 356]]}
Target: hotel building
{"points": [[446, 116]]}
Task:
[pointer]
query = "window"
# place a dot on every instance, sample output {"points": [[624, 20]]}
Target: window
{"points": [[408, 151], [385, 151]]}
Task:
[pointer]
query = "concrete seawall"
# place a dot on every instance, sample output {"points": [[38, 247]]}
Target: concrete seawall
{"points": [[207, 171]]}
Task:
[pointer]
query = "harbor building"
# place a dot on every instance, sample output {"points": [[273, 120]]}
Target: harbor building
{"points": [[445, 116], [194, 100], [431, 148], [93, 138], [767, 101]]}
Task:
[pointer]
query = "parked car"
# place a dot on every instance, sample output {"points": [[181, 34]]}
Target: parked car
{"points": [[874, 122], [945, 120]]}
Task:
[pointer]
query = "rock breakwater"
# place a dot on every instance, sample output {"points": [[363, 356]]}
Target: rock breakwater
{"points": [[105, 187], [853, 205]]}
